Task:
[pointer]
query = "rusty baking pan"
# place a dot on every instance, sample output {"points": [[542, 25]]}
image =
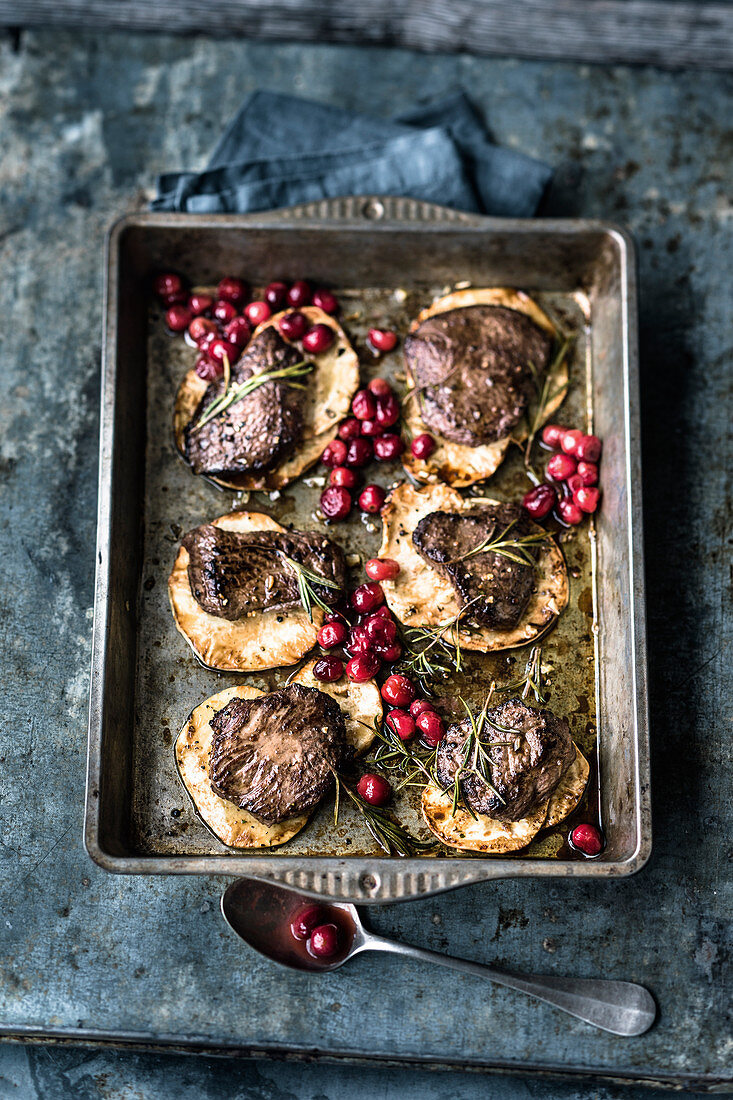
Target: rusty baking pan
{"points": [[385, 258]]}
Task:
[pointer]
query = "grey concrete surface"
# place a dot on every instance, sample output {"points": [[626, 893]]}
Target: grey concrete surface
{"points": [[86, 122]]}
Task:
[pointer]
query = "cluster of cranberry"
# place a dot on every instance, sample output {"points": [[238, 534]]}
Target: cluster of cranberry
{"points": [[362, 436], [572, 476], [313, 927], [366, 644], [369, 432], [221, 326]]}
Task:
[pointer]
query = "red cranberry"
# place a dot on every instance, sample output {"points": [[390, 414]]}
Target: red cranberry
{"points": [[420, 706], [168, 285], [561, 466], [382, 612], [200, 327], [326, 301], [324, 941], [387, 447], [367, 597], [422, 446], [318, 339], [569, 512], [305, 921], [573, 483], [570, 440], [586, 499], [552, 434], [178, 318], [299, 294], [335, 503], [398, 690], [275, 294], [207, 370], [204, 342], [180, 299], [349, 428], [257, 312], [328, 669], [589, 448], [293, 326], [431, 727], [199, 303], [363, 405], [332, 634], [342, 475], [335, 453], [358, 641], [380, 387], [218, 349], [391, 653], [224, 312], [370, 428], [238, 331], [374, 789], [233, 290], [402, 724], [587, 839], [540, 501], [359, 452], [371, 498], [363, 667], [382, 339], [382, 569], [381, 632], [588, 473], [388, 411]]}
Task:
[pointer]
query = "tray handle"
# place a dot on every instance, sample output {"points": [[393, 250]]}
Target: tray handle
{"points": [[377, 209], [389, 880]]}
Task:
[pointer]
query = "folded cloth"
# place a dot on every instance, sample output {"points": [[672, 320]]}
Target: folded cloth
{"points": [[280, 150]]}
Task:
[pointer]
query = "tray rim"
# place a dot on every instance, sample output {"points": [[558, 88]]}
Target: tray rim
{"points": [[379, 879]]}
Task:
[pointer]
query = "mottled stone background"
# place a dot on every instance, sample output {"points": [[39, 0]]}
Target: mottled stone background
{"points": [[86, 122]]}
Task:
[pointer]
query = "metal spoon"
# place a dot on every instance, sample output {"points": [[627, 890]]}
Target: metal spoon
{"points": [[260, 912]]}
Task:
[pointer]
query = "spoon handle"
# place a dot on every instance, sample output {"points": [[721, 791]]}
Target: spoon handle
{"points": [[622, 1008]]}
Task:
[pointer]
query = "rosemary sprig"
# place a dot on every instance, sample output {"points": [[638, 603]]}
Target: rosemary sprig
{"points": [[545, 397], [516, 549], [306, 579], [435, 651], [531, 680], [409, 765], [233, 394], [391, 837], [475, 760]]}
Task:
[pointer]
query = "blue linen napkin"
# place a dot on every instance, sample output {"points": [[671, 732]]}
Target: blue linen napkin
{"points": [[280, 150]]}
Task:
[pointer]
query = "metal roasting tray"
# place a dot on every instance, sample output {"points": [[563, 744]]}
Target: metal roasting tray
{"points": [[385, 258]]}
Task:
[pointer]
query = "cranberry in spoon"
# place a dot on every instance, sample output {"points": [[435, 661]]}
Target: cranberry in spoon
{"points": [[281, 924]]}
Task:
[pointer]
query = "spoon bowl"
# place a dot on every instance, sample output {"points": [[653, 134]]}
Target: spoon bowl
{"points": [[261, 913]]}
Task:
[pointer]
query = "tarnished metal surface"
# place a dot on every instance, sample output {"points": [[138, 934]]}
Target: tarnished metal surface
{"points": [[85, 122], [144, 680]]}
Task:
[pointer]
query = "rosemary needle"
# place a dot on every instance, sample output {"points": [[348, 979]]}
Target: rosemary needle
{"points": [[389, 834], [307, 579]]}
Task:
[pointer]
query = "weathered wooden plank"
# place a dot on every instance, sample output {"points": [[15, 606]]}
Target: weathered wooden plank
{"points": [[670, 35]]}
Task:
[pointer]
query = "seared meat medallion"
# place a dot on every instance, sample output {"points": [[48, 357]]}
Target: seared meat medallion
{"points": [[474, 371], [275, 756], [233, 574], [496, 587], [523, 772], [254, 433], [531, 752]]}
